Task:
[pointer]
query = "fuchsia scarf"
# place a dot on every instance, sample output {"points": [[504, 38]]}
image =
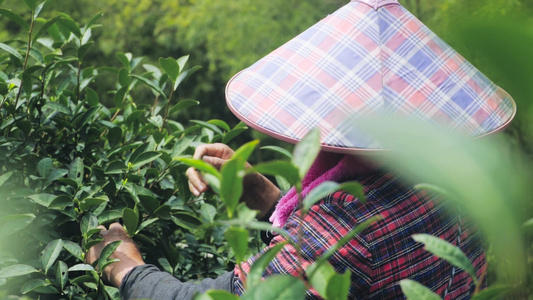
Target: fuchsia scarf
{"points": [[327, 167]]}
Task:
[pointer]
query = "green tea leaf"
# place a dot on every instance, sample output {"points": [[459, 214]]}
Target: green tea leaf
{"points": [[33, 284], [186, 220], [493, 292], [199, 165], [171, 67], [448, 252], [62, 273], [76, 170], [149, 203], [279, 150], [319, 192], [69, 24], [152, 85], [51, 253], [10, 224], [256, 272], [278, 168], [415, 291], [43, 199], [306, 151], [106, 253], [131, 220], [184, 75], [211, 127], [182, 61], [4, 177], [183, 104], [16, 270], [145, 158], [88, 222], [216, 295], [81, 267], [237, 238], [277, 287], [73, 249], [31, 4], [45, 27], [11, 51], [220, 124], [232, 174], [15, 18]]}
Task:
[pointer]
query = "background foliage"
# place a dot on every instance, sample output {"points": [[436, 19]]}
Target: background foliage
{"points": [[89, 138]]}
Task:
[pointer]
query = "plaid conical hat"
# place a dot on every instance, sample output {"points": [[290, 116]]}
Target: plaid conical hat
{"points": [[369, 57]]}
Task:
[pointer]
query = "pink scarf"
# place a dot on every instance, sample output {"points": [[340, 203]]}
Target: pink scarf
{"points": [[327, 167]]}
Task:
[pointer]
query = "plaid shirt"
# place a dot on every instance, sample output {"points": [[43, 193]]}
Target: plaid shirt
{"points": [[384, 253]]}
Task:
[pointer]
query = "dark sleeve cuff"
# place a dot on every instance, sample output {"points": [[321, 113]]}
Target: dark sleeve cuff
{"points": [[148, 282]]}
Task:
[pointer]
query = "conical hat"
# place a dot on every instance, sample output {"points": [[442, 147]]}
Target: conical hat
{"points": [[370, 57]]}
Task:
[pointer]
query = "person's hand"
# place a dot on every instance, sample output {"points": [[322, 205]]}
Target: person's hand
{"points": [[258, 192], [127, 252]]}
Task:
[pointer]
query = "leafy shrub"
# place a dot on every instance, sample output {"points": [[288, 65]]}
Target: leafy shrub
{"points": [[68, 164]]}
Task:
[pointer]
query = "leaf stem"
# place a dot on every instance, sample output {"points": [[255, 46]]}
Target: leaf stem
{"points": [[167, 108], [25, 59]]}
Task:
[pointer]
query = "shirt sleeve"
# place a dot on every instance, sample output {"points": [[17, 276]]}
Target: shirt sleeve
{"points": [[148, 282]]}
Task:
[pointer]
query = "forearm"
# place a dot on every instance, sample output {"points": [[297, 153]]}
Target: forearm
{"points": [[260, 193], [148, 282]]}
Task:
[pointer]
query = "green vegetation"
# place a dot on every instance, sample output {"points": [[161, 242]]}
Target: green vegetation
{"points": [[98, 124]]}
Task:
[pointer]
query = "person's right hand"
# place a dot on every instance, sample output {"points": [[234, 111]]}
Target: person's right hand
{"points": [[258, 192]]}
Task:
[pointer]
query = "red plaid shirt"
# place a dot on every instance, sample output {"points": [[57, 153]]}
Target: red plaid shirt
{"points": [[384, 253]]}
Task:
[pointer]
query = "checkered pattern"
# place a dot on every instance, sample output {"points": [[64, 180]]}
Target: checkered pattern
{"points": [[359, 62], [384, 253]]}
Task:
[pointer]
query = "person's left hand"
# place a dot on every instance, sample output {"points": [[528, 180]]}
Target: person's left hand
{"points": [[127, 252]]}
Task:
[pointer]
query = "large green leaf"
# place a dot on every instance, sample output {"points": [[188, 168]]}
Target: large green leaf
{"points": [[216, 295], [51, 253], [186, 220], [131, 220], [45, 27], [73, 249], [200, 165], [106, 253], [33, 285], [31, 4], [151, 84], [171, 67], [232, 174], [11, 51], [493, 292], [4, 177], [448, 252], [10, 224], [237, 238], [76, 170], [415, 291], [277, 287], [306, 151], [328, 187], [68, 23], [257, 269], [279, 150], [16, 270], [281, 168], [145, 158], [62, 273], [328, 283], [15, 18]]}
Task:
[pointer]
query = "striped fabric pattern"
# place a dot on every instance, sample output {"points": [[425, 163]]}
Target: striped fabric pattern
{"points": [[360, 62], [384, 253]]}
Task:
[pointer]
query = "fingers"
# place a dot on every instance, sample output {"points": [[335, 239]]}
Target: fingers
{"points": [[214, 154]]}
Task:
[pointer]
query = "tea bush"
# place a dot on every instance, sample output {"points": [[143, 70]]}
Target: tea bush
{"points": [[68, 163]]}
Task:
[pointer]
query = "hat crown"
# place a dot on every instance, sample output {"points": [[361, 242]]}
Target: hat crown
{"points": [[375, 4]]}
